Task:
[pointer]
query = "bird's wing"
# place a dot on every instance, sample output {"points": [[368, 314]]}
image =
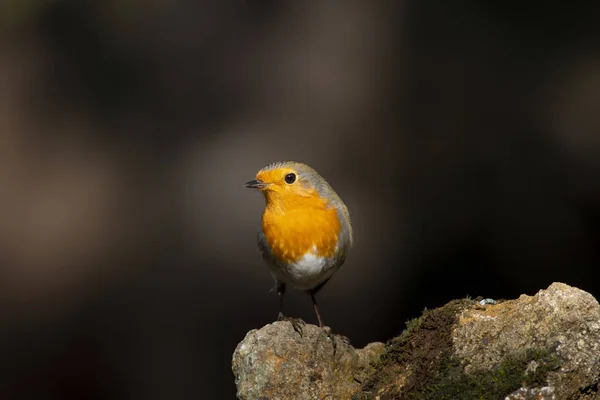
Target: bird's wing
{"points": [[265, 249], [263, 246], [346, 237]]}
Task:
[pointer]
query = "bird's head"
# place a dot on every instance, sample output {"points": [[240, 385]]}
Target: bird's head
{"points": [[289, 184]]}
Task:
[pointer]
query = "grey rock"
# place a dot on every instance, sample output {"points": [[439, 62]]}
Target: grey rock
{"points": [[542, 347], [542, 393], [280, 362], [561, 319]]}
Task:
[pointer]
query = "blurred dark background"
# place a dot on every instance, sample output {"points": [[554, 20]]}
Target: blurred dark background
{"points": [[464, 137]]}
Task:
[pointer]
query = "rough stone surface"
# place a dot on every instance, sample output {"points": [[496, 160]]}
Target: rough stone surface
{"points": [[280, 362], [543, 393], [561, 319], [542, 347]]}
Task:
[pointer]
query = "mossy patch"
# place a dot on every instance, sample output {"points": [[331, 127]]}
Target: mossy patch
{"points": [[420, 364], [452, 383]]}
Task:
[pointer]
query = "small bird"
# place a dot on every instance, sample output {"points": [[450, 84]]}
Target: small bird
{"points": [[306, 230]]}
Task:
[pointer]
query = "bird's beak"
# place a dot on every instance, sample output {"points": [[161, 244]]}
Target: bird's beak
{"points": [[256, 184]]}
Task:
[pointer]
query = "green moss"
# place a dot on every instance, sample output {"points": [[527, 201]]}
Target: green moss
{"points": [[419, 345], [452, 383], [435, 374]]}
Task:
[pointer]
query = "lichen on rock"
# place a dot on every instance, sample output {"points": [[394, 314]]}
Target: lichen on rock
{"points": [[282, 362], [561, 321], [545, 346]]}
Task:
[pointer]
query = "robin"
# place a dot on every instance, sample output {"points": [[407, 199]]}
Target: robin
{"points": [[305, 232]]}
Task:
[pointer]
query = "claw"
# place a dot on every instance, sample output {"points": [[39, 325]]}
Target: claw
{"points": [[297, 323], [329, 333]]}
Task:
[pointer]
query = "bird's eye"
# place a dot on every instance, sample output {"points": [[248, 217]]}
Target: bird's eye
{"points": [[290, 178]]}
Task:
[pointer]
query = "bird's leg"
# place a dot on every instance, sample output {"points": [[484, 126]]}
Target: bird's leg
{"points": [[314, 301], [280, 293], [296, 322], [326, 331]]}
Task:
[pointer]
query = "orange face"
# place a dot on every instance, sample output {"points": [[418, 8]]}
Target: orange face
{"points": [[280, 192], [296, 220]]}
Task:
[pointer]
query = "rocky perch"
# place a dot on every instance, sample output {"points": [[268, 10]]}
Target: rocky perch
{"points": [[545, 346]]}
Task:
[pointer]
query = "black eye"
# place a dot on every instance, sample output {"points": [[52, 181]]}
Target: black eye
{"points": [[290, 178]]}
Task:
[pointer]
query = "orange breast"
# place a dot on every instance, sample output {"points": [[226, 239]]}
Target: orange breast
{"points": [[294, 232]]}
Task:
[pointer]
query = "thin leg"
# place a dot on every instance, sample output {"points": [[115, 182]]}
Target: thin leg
{"points": [[314, 301], [297, 323], [280, 293]]}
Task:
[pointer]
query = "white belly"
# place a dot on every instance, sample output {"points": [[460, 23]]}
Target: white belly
{"points": [[308, 272]]}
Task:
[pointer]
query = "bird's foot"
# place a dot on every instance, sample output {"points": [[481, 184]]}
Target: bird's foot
{"points": [[331, 336], [297, 323], [327, 335], [334, 338]]}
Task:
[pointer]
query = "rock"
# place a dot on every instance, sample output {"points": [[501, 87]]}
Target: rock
{"points": [[536, 347], [562, 322], [281, 362], [545, 346]]}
